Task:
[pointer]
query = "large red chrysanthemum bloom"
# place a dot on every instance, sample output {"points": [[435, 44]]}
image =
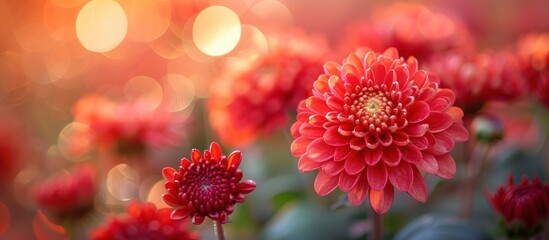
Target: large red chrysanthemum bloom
{"points": [[143, 221], [526, 203], [413, 29], [206, 186], [124, 128], [479, 78], [254, 98], [533, 53], [67, 197], [372, 123]]}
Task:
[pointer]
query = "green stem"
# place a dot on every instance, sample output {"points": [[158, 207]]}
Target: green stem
{"points": [[218, 229]]}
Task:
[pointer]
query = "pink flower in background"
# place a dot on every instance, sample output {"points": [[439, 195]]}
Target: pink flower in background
{"points": [[143, 221], [372, 123], [255, 98], [526, 203], [126, 129], [67, 197], [413, 29], [479, 78], [208, 185], [533, 53]]}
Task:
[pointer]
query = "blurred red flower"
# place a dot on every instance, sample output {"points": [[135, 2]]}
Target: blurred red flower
{"points": [[533, 53], [412, 28], [479, 78], [526, 203], [10, 143], [372, 123], [206, 186], [124, 128], [68, 197], [254, 98], [145, 222]]}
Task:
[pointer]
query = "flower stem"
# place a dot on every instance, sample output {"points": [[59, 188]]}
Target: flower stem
{"points": [[218, 229], [476, 171], [377, 230]]}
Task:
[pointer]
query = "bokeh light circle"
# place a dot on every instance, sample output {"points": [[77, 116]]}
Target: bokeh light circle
{"points": [[144, 91], [122, 182], [216, 30], [101, 25]]}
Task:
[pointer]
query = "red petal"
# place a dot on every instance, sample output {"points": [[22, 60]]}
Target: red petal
{"points": [[321, 84], [319, 151], [170, 200], [306, 165], [372, 141], [197, 219], [438, 121], [419, 79], [246, 187], [317, 105], [196, 156], [234, 159], [215, 150], [411, 154], [357, 194], [391, 53], [455, 113], [357, 144], [356, 62], [401, 176], [294, 129], [331, 68], [400, 138], [185, 163], [458, 132], [311, 131], [325, 184], [377, 176], [439, 104], [341, 153], [382, 200], [402, 75], [336, 85], [168, 173], [412, 64], [179, 213], [334, 138], [418, 112], [346, 181], [335, 103], [443, 144], [416, 130], [355, 163], [378, 70], [350, 74], [317, 120], [446, 166], [333, 168], [418, 190], [386, 139], [420, 143], [372, 157], [391, 156], [428, 163], [299, 146]]}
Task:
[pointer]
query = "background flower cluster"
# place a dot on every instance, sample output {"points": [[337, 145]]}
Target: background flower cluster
{"points": [[98, 97]]}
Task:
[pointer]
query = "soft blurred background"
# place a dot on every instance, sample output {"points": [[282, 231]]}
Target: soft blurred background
{"points": [[125, 88]]}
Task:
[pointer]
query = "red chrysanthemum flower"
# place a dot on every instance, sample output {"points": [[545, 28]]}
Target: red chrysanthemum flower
{"points": [[68, 196], [254, 98], [526, 203], [123, 128], [206, 186], [533, 53], [372, 123], [413, 29], [145, 222], [479, 78]]}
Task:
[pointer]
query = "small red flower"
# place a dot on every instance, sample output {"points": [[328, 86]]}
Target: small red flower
{"points": [[526, 203], [206, 186], [413, 29], [479, 78], [533, 53], [145, 222], [124, 128], [68, 196], [372, 123], [253, 99]]}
